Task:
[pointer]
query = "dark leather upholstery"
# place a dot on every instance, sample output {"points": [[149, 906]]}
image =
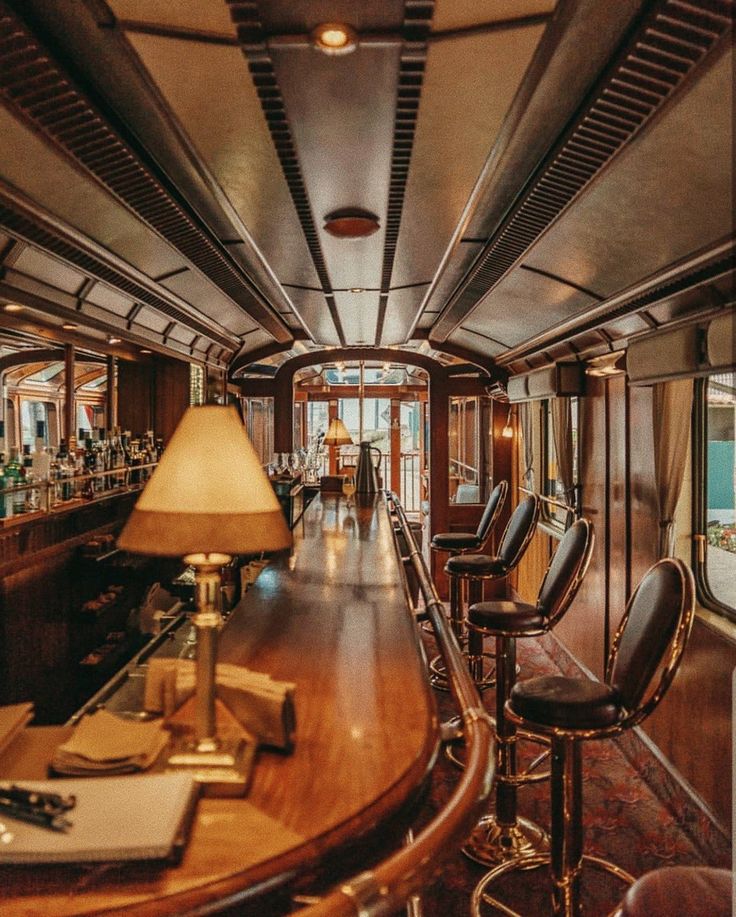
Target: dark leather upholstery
{"points": [[476, 565], [492, 511], [566, 564], [575, 703], [519, 531], [463, 541], [695, 891], [504, 617], [653, 613], [455, 541]]}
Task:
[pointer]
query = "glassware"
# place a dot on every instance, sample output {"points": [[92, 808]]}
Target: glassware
{"points": [[348, 488]]}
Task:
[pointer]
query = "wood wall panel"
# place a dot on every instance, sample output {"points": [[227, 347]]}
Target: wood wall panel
{"points": [[171, 395], [135, 396], [692, 725], [644, 526], [618, 504], [584, 626]]}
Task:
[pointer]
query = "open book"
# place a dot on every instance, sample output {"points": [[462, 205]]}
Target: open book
{"points": [[115, 818]]}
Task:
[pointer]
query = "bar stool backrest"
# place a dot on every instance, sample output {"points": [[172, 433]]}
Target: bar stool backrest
{"points": [[652, 636], [566, 571], [492, 511], [519, 531]]}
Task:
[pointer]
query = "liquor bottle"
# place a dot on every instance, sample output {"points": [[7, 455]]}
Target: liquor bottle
{"points": [[30, 497], [41, 460], [3, 483], [15, 503]]}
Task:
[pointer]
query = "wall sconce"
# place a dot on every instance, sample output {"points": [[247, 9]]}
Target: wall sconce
{"points": [[508, 430]]}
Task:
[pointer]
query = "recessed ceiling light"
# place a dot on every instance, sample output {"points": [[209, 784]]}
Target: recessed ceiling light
{"points": [[334, 38], [357, 290], [111, 339], [69, 326], [12, 307], [351, 223], [144, 350]]}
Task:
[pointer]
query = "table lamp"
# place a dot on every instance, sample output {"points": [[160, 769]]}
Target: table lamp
{"points": [[208, 499], [337, 435]]}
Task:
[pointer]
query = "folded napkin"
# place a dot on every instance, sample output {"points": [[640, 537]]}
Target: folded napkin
{"points": [[103, 743], [262, 706]]}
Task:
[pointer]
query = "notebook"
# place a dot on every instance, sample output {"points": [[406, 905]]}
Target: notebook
{"points": [[115, 818]]}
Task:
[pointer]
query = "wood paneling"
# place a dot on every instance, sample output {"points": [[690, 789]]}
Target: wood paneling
{"points": [[171, 395], [618, 503], [135, 395], [693, 724]]}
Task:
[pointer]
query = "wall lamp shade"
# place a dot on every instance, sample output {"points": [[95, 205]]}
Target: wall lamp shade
{"points": [[209, 494], [337, 434]]}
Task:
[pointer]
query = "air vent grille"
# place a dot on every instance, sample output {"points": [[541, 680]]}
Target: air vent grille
{"points": [[252, 37], [33, 85], [25, 228], [672, 39]]}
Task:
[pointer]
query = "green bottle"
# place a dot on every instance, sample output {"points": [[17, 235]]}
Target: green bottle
{"points": [[3, 483], [15, 503]]}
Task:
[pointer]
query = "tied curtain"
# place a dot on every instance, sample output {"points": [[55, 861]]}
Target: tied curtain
{"points": [[561, 414], [525, 419], [671, 410]]}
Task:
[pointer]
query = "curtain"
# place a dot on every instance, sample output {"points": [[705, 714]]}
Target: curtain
{"points": [[527, 432], [561, 414], [671, 410]]}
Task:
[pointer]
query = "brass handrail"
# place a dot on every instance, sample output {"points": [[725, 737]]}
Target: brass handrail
{"points": [[387, 887]]}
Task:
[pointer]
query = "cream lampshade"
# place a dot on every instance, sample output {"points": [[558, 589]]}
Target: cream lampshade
{"points": [[208, 498], [338, 434]]}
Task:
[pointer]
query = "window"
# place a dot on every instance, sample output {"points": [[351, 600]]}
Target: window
{"points": [[470, 452], [560, 460], [258, 415], [715, 490], [196, 384]]}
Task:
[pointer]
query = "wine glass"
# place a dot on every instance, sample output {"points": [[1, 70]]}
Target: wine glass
{"points": [[348, 487]]}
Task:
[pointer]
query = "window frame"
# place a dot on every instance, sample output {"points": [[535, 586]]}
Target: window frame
{"points": [[547, 449], [699, 555]]}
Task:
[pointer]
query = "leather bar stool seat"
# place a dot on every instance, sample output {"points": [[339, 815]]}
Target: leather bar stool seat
{"points": [[698, 891], [571, 703], [506, 615], [476, 565], [456, 541]]}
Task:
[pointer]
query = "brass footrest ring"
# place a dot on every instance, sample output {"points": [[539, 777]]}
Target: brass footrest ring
{"points": [[491, 844], [535, 861]]}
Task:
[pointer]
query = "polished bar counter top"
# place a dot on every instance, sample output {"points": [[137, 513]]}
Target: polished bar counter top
{"points": [[333, 618]]}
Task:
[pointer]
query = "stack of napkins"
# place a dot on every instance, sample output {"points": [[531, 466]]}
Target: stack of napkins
{"points": [[262, 706], [107, 744]]}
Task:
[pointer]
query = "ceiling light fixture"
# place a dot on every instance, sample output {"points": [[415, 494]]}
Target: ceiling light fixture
{"points": [[111, 339], [351, 223], [356, 290], [144, 350], [12, 307], [609, 364], [69, 326], [334, 38], [508, 430]]}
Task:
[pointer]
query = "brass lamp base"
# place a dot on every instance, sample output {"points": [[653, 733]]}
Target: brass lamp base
{"points": [[222, 767]]}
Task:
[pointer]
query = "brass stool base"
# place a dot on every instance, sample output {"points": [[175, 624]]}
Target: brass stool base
{"points": [[482, 897], [438, 678], [492, 844], [451, 734]]}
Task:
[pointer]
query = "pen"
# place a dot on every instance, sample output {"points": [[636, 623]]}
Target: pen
{"points": [[36, 798], [53, 820]]}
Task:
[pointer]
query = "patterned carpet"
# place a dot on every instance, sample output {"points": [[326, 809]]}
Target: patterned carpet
{"points": [[635, 813]]}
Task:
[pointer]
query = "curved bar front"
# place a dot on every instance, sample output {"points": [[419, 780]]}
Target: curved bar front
{"points": [[331, 617]]}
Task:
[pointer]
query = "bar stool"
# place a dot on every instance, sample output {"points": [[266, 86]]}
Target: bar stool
{"points": [[698, 891], [478, 568], [651, 639], [454, 543], [504, 835]]}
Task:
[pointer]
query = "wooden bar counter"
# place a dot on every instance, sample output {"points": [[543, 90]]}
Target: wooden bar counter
{"points": [[333, 618]]}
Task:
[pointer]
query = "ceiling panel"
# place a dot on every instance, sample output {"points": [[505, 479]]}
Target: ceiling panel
{"points": [[666, 195], [193, 288], [343, 134], [358, 314], [212, 16], [468, 86], [522, 305], [216, 104], [43, 267], [287, 16], [311, 305], [476, 342], [102, 295], [153, 320], [400, 312], [66, 192], [461, 14]]}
